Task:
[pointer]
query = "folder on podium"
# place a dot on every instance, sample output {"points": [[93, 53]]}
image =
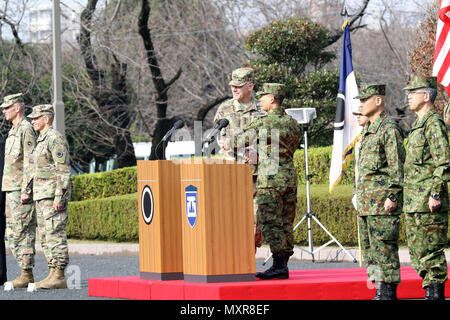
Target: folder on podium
{"points": [[213, 239]]}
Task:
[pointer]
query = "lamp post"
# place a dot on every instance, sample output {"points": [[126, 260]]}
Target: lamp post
{"points": [[58, 104]]}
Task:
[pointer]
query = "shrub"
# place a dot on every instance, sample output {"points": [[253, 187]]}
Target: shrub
{"points": [[319, 161], [114, 218], [104, 184]]}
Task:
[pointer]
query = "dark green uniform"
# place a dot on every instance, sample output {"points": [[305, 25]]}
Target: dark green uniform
{"points": [[380, 176], [380, 168], [276, 185], [427, 172]]}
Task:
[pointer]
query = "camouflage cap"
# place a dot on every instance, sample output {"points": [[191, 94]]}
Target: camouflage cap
{"points": [[241, 76], [8, 101], [416, 82], [41, 110], [271, 88], [369, 90]]}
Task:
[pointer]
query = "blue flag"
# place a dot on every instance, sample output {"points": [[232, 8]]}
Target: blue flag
{"points": [[346, 128]]}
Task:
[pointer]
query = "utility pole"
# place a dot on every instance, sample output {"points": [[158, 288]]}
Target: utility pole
{"points": [[58, 104]]}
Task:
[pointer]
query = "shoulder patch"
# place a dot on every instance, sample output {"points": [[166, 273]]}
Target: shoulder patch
{"points": [[59, 154], [29, 143]]}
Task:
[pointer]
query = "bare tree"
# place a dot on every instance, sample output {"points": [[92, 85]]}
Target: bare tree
{"points": [[111, 94]]}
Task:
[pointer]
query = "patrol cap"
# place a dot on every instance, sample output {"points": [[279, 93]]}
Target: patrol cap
{"points": [[272, 88], [8, 101], [41, 110], [416, 82], [369, 90], [241, 76]]}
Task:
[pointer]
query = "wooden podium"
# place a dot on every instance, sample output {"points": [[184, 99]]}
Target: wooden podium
{"points": [[160, 248], [217, 221]]}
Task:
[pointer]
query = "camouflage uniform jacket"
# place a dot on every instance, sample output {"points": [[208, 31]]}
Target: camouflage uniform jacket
{"points": [[19, 146], [239, 117], [427, 164], [274, 170], [51, 174], [380, 167]]}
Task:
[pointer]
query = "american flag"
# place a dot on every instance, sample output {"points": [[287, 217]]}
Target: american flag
{"points": [[442, 50]]}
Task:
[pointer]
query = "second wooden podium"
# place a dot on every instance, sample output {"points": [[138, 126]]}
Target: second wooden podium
{"points": [[217, 221]]}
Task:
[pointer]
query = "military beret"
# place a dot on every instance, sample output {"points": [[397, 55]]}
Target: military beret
{"points": [[41, 110], [416, 82], [8, 101], [271, 88], [241, 76], [369, 90]]}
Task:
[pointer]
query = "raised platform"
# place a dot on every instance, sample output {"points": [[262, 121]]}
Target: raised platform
{"points": [[317, 284]]}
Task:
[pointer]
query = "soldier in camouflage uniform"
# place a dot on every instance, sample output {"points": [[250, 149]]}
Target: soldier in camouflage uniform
{"points": [[240, 111], [51, 193], [20, 217], [276, 194], [379, 192], [425, 188]]}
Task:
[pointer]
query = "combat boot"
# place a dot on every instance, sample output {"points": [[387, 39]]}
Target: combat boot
{"points": [[385, 291], [24, 279], [56, 281], [44, 281], [278, 270], [435, 291]]}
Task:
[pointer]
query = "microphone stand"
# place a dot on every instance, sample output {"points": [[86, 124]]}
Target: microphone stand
{"points": [[206, 146]]}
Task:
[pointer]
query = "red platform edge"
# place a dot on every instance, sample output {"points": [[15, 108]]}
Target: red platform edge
{"points": [[317, 284]]}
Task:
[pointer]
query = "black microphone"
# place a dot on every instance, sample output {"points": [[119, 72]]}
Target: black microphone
{"points": [[220, 124], [177, 125]]}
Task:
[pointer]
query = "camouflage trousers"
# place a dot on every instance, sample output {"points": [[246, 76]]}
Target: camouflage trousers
{"points": [[276, 213], [379, 237], [257, 229], [20, 229], [427, 238], [52, 233]]}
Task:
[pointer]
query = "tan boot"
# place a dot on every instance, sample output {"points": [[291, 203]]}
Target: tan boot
{"points": [[56, 281], [44, 281], [24, 279]]}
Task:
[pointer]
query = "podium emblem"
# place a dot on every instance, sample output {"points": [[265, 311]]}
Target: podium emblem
{"points": [[147, 205], [191, 204]]}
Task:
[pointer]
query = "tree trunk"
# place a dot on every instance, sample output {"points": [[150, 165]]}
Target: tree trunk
{"points": [[112, 99], [163, 124]]}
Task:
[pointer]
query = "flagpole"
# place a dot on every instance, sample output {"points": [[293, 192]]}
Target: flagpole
{"points": [[58, 103]]}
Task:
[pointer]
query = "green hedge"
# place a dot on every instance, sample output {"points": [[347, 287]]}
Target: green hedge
{"points": [[319, 161], [113, 218], [116, 218], [104, 184]]}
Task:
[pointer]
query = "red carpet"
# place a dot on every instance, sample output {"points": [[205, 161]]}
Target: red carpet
{"points": [[318, 284]]}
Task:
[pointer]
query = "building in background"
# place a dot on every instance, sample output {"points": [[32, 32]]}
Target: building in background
{"points": [[39, 27]]}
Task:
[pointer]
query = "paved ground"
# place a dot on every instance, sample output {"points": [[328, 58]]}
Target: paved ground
{"points": [[329, 253], [96, 259]]}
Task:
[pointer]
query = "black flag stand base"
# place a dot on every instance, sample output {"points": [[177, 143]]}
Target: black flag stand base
{"points": [[310, 215]]}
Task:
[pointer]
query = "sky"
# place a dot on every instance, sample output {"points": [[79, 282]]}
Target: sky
{"points": [[412, 8]]}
